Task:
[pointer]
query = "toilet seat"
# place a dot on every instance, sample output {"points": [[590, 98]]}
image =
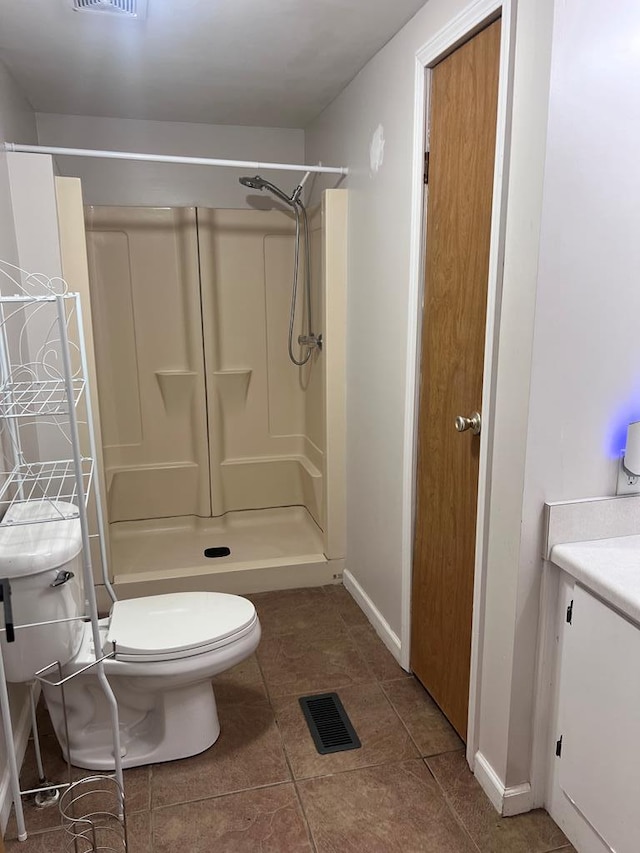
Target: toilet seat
{"points": [[179, 625]]}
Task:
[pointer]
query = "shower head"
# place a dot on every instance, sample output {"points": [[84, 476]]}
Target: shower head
{"points": [[253, 183], [258, 183]]}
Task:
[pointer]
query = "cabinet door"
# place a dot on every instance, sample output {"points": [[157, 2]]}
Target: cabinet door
{"points": [[600, 720]]}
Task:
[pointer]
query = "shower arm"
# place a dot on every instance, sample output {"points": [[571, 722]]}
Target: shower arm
{"points": [[295, 195]]}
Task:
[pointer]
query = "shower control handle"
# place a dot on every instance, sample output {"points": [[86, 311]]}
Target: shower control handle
{"points": [[474, 423], [311, 341]]}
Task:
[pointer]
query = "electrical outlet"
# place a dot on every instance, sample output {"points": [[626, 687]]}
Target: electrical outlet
{"points": [[627, 484]]}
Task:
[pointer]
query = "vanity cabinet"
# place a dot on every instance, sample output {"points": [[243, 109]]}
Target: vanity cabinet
{"points": [[598, 723]]}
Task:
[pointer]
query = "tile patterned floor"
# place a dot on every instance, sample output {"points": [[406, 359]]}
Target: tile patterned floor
{"points": [[263, 788]]}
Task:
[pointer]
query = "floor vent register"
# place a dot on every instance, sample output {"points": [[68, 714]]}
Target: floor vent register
{"points": [[329, 724]]}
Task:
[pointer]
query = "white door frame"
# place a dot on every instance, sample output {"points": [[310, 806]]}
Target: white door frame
{"points": [[460, 29]]}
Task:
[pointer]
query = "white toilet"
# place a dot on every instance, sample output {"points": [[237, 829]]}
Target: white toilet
{"points": [[167, 649]]}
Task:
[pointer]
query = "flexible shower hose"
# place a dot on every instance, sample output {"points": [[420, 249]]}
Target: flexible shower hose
{"points": [[301, 213]]}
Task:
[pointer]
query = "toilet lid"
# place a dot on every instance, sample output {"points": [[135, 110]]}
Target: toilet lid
{"points": [[163, 627]]}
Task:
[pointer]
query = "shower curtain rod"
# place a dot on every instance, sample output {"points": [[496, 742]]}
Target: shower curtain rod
{"points": [[168, 158]]}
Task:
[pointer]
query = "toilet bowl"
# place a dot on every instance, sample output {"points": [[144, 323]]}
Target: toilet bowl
{"points": [[163, 652]]}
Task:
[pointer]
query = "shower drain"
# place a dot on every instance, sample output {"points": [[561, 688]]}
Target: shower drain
{"points": [[217, 552], [329, 723]]}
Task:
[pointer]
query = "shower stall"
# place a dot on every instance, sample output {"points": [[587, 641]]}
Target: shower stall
{"points": [[223, 459]]}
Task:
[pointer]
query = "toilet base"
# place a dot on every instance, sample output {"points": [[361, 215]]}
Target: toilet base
{"points": [[179, 724]]}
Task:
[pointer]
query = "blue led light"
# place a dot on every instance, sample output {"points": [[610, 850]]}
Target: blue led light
{"points": [[627, 413]]}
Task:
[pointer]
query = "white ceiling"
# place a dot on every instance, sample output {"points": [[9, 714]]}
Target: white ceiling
{"points": [[254, 62]]}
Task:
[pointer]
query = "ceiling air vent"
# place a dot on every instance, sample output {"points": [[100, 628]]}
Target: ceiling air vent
{"points": [[123, 8]]}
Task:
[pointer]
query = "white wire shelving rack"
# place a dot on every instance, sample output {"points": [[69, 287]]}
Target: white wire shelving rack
{"points": [[32, 397], [47, 448], [48, 482]]}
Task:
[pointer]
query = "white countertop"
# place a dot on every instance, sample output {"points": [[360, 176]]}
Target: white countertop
{"points": [[608, 567]]}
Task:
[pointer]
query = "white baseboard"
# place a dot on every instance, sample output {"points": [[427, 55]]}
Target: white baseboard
{"points": [[382, 627], [507, 801], [22, 730]]}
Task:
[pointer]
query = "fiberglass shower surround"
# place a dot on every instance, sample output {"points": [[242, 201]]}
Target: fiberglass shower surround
{"points": [[202, 412]]}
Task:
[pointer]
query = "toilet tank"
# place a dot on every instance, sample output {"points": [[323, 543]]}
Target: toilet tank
{"points": [[34, 555]]}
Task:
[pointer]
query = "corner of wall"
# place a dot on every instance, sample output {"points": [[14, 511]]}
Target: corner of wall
{"points": [[506, 801], [505, 719], [382, 627], [17, 118]]}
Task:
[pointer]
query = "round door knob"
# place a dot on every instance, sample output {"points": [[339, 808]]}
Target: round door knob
{"points": [[474, 423]]}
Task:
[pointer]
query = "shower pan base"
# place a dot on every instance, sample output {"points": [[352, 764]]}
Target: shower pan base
{"points": [[269, 549]]}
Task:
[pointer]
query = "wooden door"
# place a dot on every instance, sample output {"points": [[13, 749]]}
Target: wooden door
{"points": [[464, 92]]}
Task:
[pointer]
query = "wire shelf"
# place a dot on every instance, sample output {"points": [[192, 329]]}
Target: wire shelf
{"points": [[49, 483], [38, 397], [93, 816]]}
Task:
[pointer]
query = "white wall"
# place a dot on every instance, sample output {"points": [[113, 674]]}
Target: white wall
{"points": [[586, 373], [504, 712], [585, 384], [132, 183], [16, 120], [34, 212], [35, 220]]}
